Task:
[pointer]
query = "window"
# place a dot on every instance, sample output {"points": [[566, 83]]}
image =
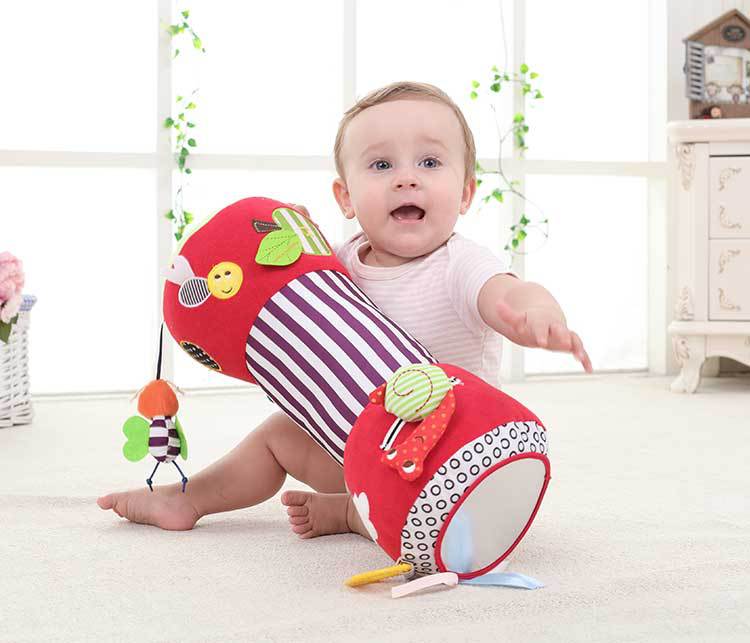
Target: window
{"points": [[89, 255], [594, 75], [80, 199], [79, 79], [271, 80], [595, 262]]}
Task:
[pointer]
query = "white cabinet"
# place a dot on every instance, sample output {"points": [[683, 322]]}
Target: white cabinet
{"points": [[710, 185]]}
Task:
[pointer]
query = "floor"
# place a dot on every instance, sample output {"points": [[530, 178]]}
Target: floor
{"points": [[643, 534]]}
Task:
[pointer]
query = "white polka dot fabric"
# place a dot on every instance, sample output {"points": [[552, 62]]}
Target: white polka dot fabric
{"points": [[451, 481]]}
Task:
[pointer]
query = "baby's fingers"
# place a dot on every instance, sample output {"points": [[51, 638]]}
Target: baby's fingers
{"points": [[540, 333], [580, 352], [560, 338], [302, 209]]}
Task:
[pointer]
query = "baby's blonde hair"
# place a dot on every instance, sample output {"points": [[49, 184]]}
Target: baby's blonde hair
{"points": [[402, 90]]}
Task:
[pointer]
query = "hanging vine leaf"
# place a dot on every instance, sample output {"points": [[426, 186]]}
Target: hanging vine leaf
{"points": [[517, 133], [180, 217]]}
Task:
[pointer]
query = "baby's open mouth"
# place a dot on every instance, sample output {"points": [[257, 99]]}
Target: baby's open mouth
{"points": [[408, 213]]}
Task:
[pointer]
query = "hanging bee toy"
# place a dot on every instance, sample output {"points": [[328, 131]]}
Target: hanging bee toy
{"points": [[160, 433]]}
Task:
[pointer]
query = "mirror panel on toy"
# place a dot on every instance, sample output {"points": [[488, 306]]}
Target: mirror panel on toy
{"points": [[493, 517]]}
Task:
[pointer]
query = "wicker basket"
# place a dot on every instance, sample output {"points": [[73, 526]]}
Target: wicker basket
{"points": [[15, 398]]}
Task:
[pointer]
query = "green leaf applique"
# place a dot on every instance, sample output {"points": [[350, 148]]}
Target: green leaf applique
{"points": [[310, 237], [280, 248]]}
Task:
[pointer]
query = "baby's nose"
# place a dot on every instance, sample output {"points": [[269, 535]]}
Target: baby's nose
{"points": [[403, 182]]}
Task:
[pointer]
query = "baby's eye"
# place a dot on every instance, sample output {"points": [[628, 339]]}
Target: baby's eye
{"points": [[378, 165], [431, 162]]}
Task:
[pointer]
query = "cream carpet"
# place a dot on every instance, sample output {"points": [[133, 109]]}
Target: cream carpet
{"points": [[644, 534]]}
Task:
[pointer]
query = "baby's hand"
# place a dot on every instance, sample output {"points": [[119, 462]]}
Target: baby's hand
{"points": [[542, 327], [302, 209]]}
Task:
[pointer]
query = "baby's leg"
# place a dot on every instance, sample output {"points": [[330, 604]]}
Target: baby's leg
{"points": [[249, 474]]}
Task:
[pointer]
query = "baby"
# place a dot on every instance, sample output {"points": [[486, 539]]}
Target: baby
{"points": [[405, 158]]}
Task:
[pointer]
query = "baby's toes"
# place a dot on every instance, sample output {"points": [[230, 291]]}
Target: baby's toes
{"points": [[114, 501], [302, 529], [295, 498], [120, 505], [106, 502], [298, 520], [296, 510]]}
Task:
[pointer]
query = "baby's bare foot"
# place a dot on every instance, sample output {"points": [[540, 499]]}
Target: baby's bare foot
{"points": [[320, 514], [165, 507]]}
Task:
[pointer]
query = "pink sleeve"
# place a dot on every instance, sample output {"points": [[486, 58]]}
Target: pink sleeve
{"points": [[470, 266]]}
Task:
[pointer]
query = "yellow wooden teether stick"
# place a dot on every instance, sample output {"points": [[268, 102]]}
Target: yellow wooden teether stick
{"points": [[365, 578]]}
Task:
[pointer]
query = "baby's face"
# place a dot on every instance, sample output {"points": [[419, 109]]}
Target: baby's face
{"points": [[404, 166]]}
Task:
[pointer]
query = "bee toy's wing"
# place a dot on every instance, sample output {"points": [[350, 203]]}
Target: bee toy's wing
{"points": [[183, 441], [136, 431]]}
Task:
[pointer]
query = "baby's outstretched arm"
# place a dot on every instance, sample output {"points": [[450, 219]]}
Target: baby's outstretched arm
{"points": [[249, 474], [528, 315]]}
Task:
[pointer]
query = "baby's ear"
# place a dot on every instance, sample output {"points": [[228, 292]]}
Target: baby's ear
{"points": [[468, 195], [343, 198]]}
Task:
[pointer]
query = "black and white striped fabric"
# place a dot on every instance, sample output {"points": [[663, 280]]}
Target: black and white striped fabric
{"points": [[193, 292], [319, 347]]}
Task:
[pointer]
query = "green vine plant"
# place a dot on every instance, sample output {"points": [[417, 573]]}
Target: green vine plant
{"points": [[182, 125], [517, 130]]}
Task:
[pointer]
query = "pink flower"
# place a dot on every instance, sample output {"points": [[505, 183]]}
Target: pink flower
{"points": [[10, 308], [11, 277]]}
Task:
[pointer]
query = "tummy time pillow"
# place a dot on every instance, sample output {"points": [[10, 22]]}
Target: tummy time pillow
{"points": [[455, 486], [446, 471]]}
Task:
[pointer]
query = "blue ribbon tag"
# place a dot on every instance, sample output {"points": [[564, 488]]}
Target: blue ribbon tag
{"points": [[505, 579], [458, 553]]}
